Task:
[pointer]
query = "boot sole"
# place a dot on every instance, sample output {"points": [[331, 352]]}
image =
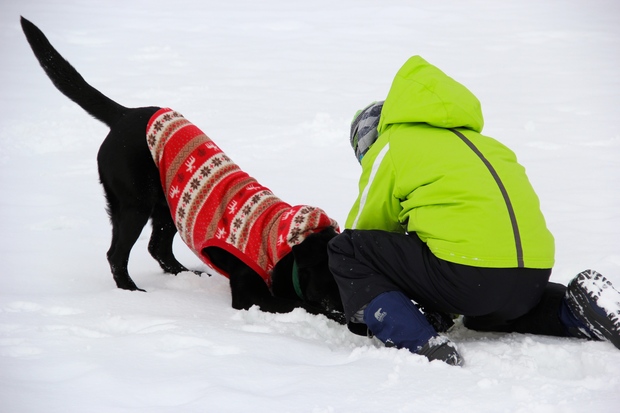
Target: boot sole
{"points": [[594, 289]]}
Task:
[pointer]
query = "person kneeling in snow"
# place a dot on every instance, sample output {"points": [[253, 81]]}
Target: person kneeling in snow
{"points": [[447, 217]]}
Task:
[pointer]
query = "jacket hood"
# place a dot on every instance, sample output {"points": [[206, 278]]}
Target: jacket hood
{"points": [[422, 93]]}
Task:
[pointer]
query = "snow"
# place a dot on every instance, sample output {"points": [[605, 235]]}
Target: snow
{"points": [[275, 84]]}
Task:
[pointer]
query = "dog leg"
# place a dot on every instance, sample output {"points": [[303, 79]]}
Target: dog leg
{"points": [[126, 228], [160, 244], [248, 289]]}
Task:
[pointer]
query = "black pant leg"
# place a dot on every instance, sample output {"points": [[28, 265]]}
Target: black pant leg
{"points": [[360, 261], [542, 319], [368, 263]]}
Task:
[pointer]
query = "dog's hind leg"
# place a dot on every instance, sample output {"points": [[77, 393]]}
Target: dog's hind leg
{"points": [[126, 228], [160, 244]]}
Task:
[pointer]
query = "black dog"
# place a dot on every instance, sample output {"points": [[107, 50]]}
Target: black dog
{"points": [[134, 194]]}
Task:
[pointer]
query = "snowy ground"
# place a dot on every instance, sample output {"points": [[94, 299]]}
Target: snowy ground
{"points": [[276, 83]]}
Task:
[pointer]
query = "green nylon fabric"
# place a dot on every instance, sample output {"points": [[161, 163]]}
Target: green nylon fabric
{"points": [[420, 177]]}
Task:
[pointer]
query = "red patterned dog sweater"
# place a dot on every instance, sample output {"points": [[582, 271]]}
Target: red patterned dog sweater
{"points": [[215, 204]]}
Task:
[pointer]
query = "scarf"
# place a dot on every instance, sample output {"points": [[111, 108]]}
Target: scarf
{"points": [[215, 204]]}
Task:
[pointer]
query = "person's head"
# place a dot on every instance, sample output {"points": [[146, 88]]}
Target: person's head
{"points": [[364, 129]]}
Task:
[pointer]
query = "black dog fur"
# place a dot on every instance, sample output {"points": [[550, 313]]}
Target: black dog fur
{"points": [[134, 195]]}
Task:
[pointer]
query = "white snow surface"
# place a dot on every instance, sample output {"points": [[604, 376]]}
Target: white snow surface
{"points": [[275, 83]]}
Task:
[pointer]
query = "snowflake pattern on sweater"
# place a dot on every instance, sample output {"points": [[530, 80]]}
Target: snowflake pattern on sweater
{"points": [[215, 204]]}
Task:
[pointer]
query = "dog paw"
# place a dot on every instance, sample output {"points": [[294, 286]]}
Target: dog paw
{"points": [[337, 317], [127, 284], [200, 273]]}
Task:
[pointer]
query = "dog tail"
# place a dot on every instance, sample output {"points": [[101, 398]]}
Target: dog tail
{"points": [[68, 80]]}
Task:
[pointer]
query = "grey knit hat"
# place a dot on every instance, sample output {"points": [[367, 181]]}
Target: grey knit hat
{"points": [[364, 128]]}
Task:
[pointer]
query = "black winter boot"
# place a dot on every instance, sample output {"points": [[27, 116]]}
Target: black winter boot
{"points": [[440, 348], [596, 303]]}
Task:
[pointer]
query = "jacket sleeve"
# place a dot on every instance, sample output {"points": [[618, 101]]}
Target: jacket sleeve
{"points": [[376, 206]]}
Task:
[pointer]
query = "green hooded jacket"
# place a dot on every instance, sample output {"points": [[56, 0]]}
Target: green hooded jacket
{"points": [[431, 172]]}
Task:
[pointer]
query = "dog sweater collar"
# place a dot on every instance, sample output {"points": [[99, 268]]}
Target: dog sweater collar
{"points": [[215, 204]]}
